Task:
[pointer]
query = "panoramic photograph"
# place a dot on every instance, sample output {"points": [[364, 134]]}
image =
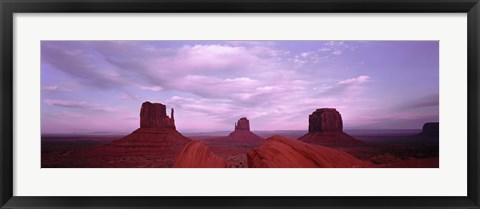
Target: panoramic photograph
{"points": [[239, 104]]}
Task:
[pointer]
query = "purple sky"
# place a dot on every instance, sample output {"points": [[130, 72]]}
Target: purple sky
{"points": [[98, 86]]}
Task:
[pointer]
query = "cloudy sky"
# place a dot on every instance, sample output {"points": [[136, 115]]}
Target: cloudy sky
{"points": [[99, 86]]}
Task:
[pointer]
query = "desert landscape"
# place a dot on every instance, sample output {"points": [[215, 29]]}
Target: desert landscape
{"points": [[157, 144], [239, 104]]}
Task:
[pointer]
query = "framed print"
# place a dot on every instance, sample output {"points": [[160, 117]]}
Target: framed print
{"points": [[265, 104]]}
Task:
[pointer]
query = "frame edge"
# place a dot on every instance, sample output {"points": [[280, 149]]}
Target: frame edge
{"points": [[6, 93], [6, 106]]}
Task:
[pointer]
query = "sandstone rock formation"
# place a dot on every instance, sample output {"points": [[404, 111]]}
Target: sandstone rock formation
{"points": [[242, 132], [282, 152], [152, 138], [198, 155], [243, 135], [325, 127], [153, 115], [325, 120], [243, 124], [155, 144], [431, 129], [156, 137]]}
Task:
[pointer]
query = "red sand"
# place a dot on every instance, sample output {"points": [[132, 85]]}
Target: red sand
{"points": [[149, 148]]}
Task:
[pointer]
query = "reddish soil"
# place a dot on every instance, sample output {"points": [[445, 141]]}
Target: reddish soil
{"points": [[234, 152], [146, 148]]}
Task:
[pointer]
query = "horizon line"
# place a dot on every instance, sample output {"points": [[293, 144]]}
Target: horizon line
{"points": [[191, 132]]}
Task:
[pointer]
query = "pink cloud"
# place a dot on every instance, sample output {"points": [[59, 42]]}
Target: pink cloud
{"points": [[79, 104], [64, 103], [357, 80], [128, 96], [212, 81], [49, 89], [151, 88], [209, 58]]}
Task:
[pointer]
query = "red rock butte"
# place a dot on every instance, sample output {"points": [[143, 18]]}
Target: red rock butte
{"points": [[431, 129], [153, 115], [325, 127], [325, 120], [157, 139], [242, 132], [243, 124]]}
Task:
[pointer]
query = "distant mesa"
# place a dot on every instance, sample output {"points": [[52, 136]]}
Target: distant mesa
{"points": [[198, 155], [281, 152], [431, 130], [242, 132], [325, 127]]}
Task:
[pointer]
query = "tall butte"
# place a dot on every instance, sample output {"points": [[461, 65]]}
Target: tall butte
{"points": [[325, 127], [157, 139], [242, 132], [153, 115]]}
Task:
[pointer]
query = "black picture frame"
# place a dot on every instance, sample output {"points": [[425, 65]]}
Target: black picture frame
{"points": [[10, 7]]}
